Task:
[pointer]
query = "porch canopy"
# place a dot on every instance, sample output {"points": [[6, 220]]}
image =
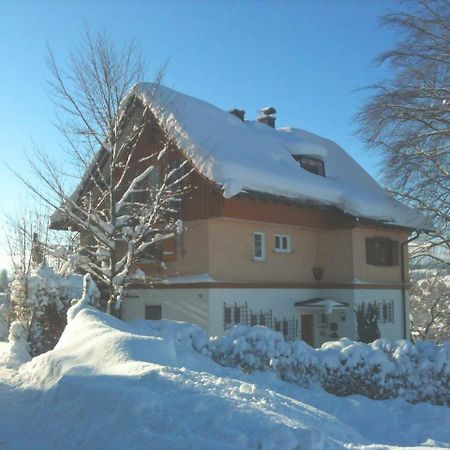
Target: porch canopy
{"points": [[322, 303]]}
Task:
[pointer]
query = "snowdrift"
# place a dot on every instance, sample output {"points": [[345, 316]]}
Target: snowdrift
{"points": [[115, 385]]}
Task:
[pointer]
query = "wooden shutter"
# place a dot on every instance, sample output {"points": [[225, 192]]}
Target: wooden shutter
{"points": [[395, 248], [370, 251]]}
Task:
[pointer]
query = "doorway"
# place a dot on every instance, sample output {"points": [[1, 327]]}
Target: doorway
{"points": [[307, 327]]}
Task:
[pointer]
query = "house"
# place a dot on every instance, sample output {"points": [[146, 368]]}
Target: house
{"points": [[283, 228]]}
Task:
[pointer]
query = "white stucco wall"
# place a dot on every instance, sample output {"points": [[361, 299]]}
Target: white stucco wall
{"points": [[389, 330], [204, 307], [188, 305]]}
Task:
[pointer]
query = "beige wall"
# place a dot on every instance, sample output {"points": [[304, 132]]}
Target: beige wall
{"points": [[192, 250], [223, 247], [231, 252], [335, 255]]}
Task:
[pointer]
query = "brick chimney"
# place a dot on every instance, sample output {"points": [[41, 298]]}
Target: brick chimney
{"points": [[239, 113], [267, 116]]}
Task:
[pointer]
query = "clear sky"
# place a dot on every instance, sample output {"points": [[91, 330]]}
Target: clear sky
{"points": [[308, 58]]}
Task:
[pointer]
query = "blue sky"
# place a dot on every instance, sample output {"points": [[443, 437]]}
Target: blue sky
{"points": [[308, 58]]}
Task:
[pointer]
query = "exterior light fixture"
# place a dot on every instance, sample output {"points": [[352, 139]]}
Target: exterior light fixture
{"points": [[318, 273]]}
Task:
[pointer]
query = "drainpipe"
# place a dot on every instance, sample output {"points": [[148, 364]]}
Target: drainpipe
{"points": [[402, 268]]}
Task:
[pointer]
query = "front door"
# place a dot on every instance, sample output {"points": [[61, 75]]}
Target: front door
{"points": [[308, 329]]}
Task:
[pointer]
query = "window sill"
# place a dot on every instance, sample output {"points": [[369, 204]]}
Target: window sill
{"points": [[258, 259], [282, 251], [382, 265], [149, 261]]}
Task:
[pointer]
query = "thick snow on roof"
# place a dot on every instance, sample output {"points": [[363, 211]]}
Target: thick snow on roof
{"points": [[250, 156]]}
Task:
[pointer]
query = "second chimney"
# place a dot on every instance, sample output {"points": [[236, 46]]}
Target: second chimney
{"points": [[267, 116]]}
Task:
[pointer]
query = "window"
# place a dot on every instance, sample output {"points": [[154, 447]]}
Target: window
{"points": [[233, 315], [285, 327], [227, 313], [175, 205], [176, 170], [153, 312], [145, 189], [282, 243], [153, 252], [385, 311], [262, 319], [237, 314], [277, 325], [259, 247], [382, 251], [154, 177], [310, 164]]}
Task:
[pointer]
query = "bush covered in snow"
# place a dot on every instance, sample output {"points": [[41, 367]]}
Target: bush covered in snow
{"points": [[39, 302], [5, 312], [380, 370], [251, 349], [17, 352]]}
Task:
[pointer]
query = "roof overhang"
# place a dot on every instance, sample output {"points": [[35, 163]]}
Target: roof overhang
{"points": [[312, 204], [327, 305]]}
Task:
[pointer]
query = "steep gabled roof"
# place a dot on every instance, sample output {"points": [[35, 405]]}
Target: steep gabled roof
{"points": [[250, 156]]}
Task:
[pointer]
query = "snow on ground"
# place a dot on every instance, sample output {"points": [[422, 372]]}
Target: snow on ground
{"points": [[115, 385]]}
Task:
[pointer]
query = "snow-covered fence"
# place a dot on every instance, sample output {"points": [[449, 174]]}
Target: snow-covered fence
{"points": [[380, 370]]}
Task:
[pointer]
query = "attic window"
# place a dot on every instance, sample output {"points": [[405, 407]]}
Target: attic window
{"points": [[312, 165]]}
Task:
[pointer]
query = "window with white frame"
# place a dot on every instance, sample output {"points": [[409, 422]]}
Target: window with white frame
{"points": [[259, 251], [282, 243]]}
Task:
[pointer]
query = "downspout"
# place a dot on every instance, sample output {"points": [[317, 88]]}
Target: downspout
{"points": [[402, 268]]}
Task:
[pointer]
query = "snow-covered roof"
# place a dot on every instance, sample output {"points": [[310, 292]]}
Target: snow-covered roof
{"points": [[250, 156]]}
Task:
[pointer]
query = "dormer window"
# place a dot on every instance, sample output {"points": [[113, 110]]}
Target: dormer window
{"points": [[310, 164]]}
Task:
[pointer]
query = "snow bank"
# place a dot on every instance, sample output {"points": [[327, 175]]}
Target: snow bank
{"points": [[151, 384], [249, 156], [158, 392]]}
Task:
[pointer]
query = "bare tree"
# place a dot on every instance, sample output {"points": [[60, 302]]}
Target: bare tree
{"points": [[30, 242], [27, 238], [407, 119], [123, 202], [430, 306]]}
